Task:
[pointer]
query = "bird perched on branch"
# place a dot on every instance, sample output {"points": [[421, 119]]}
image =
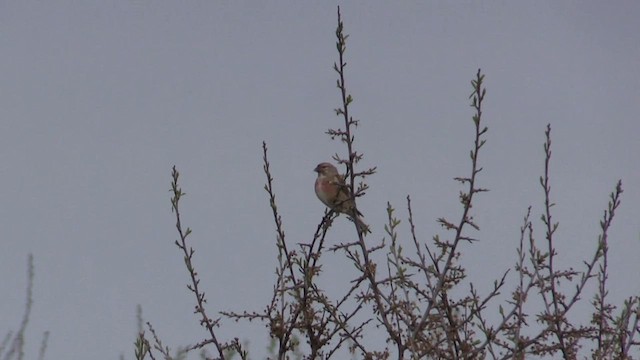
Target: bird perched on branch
{"points": [[335, 194]]}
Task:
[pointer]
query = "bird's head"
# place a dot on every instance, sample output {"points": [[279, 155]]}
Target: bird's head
{"points": [[326, 169]]}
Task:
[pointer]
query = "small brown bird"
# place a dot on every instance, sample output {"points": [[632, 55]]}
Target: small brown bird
{"points": [[334, 193]]}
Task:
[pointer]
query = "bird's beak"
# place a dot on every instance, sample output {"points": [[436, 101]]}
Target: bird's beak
{"points": [[316, 169]]}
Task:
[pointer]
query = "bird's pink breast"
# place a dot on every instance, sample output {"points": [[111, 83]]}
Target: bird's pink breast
{"points": [[322, 188]]}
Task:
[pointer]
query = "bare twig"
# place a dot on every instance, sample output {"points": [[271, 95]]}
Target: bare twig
{"points": [[188, 252]]}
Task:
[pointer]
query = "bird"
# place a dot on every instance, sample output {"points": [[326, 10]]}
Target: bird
{"points": [[335, 194]]}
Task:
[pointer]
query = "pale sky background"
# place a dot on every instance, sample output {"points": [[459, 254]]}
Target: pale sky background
{"points": [[98, 99]]}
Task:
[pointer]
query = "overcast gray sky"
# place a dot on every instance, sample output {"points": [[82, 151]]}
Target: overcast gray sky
{"points": [[98, 99]]}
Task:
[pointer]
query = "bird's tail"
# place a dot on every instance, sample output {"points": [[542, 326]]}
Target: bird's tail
{"points": [[362, 226]]}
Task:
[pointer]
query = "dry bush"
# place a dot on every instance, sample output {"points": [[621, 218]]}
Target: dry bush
{"points": [[414, 295]]}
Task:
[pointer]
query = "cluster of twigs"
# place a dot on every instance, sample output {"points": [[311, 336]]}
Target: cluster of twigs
{"points": [[13, 343], [409, 296]]}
